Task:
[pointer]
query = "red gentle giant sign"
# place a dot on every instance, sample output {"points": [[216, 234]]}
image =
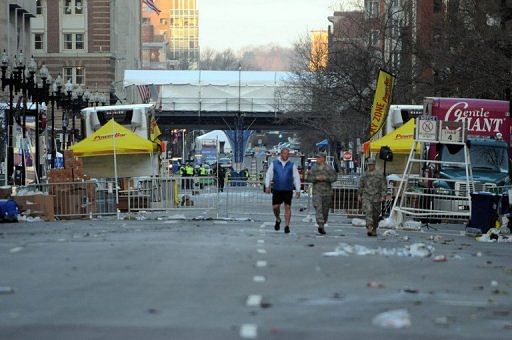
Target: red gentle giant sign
{"points": [[483, 117]]}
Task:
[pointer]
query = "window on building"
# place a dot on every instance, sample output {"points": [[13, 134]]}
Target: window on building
{"points": [[73, 7], [67, 74], [163, 21], [79, 43], [67, 7], [75, 74], [372, 8], [74, 41], [79, 7], [39, 41], [68, 41], [80, 75], [39, 7]]}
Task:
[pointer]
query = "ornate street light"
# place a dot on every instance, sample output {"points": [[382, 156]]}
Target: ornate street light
{"points": [[21, 79]]}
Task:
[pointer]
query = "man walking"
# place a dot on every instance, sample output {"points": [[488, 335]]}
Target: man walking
{"points": [[322, 175], [372, 190], [285, 177]]}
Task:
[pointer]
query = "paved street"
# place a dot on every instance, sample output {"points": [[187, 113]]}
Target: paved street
{"points": [[216, 279]]}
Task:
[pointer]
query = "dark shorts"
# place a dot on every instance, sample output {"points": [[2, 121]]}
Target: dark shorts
{"points": [[279, 197]]}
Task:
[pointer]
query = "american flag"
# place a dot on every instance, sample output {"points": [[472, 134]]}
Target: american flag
{"points": [[145, 94], [152, 6]]}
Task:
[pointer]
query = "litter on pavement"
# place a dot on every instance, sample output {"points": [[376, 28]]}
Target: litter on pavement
{"points": [[414, 250], [6, 290], [398, 318], [495, 235]]}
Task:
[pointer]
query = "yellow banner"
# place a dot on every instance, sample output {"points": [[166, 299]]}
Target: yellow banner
{"points": [[381, 101], [154, 131]]}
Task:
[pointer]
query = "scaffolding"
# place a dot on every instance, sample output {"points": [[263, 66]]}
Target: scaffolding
{"points": [[422, 196]]}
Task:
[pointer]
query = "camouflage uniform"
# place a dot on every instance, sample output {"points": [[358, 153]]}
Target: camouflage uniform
{"points": [[322, 191], [372, 187]]}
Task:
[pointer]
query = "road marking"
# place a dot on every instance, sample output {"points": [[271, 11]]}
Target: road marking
{"points": [[258, 278], [262, 251], [254, 301], [261, 264], [249, 331], [261, 241]]}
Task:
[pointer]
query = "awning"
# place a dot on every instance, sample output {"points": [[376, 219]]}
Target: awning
{"points": [[113, 136], [399, 140]]}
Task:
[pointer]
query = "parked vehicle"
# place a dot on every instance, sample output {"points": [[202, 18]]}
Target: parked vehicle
{"points": [[488, 123], [225, 162]]}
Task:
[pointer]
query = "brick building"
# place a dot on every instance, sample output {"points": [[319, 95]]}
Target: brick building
{"points": [[90, 42]]}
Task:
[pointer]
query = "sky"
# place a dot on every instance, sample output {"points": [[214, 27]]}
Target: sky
{"points": [[235, 24]]}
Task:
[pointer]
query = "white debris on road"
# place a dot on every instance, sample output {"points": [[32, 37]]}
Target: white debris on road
{"points": [[414, 250], [398, 318], [389, 233], [358, 222]]}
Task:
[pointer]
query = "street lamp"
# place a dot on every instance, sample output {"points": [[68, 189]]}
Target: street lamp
{"points": [[239, 121], [22, 79]]}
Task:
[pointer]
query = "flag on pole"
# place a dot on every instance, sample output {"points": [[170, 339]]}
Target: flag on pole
{"points": [[145, 94], [152, 6]]}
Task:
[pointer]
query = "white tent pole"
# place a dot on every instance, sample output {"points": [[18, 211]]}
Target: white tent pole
{"points": [[115, 169]]}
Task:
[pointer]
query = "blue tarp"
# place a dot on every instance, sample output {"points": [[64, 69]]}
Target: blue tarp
{"points": [[323, 143]]}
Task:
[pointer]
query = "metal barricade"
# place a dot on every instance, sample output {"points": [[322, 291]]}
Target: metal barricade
{"points": [[433, 204], [77, 199], [346, 200], [247, 197], [171, 193]]}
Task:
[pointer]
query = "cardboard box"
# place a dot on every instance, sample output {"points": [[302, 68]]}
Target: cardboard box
{"points": [[68, 205], [68, 154], [5, 192], [39, 205]]}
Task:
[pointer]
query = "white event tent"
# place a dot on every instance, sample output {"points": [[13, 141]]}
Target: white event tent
{"points": [[246, 91]]}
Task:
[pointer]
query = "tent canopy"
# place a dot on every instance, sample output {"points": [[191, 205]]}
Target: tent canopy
{"points": [[399, 140], [113, 137], [215, 134], [218, 135]]}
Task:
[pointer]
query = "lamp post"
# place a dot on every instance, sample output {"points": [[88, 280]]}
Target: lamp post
{"points": [[21, 79], [239, 122], [9, 122]]}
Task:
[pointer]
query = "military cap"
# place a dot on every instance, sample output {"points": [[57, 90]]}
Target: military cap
{"points": [[321, 154], [371, 161]]}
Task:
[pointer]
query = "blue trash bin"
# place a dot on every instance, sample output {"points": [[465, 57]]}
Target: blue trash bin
{"points": [[484, 210]]}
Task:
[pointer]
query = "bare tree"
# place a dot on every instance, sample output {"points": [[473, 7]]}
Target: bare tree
{"points": [[468, 53], [459, 51], [225, 60]]}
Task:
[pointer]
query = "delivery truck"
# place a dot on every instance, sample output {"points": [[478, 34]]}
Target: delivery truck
{"points": [[488, 123]]}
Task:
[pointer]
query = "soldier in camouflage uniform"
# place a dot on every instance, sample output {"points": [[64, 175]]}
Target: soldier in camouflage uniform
{"points": [[372, 190], [321, 175]]}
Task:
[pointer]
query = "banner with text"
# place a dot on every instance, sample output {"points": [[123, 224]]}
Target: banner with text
{"points": [[381, 102]]}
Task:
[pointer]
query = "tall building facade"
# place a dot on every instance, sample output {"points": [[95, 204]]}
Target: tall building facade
{"points": [[15, 18], [319, 50], [178, 24], [89, 42]]}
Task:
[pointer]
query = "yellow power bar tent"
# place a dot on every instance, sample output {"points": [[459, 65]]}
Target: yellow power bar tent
{"points": [[113, 136], [399, 140]]}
